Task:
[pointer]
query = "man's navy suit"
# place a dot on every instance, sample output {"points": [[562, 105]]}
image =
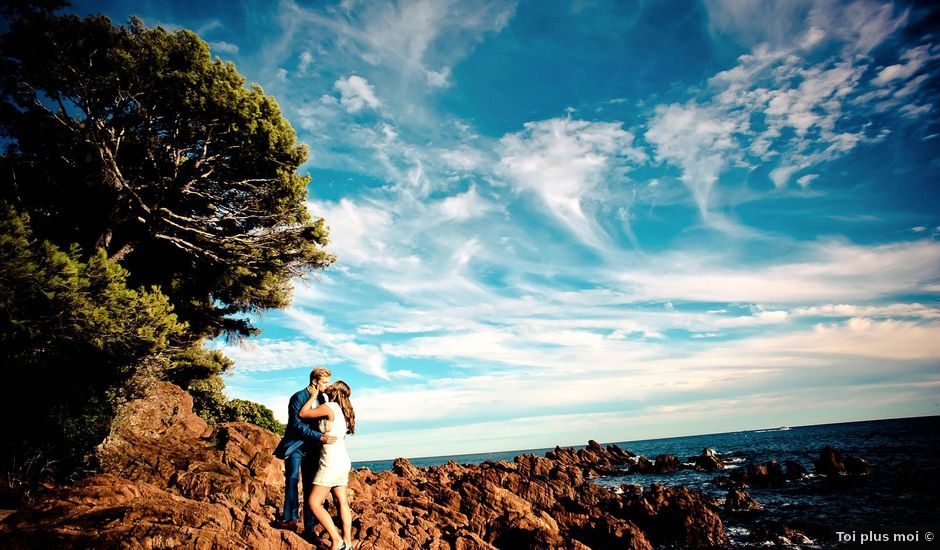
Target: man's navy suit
{"points": [[300, 450]]}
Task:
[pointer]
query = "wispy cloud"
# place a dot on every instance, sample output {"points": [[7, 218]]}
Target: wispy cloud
{"points": [[367, 358], [830, 270], [700, 140], [265, 354], [564, 162], [224, 47]]}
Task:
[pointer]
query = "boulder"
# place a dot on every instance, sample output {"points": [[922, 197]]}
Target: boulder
{"points": [[768, 474], [642, 465], [708, 461], [857, 466], [666, 464], [593, 460], [675, 516], [830, 462], [403, 467], [779, 534], [794, 470], [739, 501]]}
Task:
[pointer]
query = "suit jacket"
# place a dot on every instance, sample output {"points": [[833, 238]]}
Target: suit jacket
{"points": [[300, 435]]}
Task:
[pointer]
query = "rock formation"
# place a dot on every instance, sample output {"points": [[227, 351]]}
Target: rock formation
{"points": [[768, 474], [780, 535], [739, 501], [831, 464], [708, 461], [795, 470], [169, 482], [666, 464]]}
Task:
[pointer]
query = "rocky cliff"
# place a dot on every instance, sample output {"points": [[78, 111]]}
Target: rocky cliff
{"points": [[167, 481]]}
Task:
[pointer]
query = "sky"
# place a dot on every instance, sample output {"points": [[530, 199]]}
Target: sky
{"points": [[562, 221]]}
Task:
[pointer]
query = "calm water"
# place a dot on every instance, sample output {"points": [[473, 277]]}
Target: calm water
{"points": [[902, 496]]}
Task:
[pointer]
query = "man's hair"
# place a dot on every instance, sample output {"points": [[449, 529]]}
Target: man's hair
{"points": [[318, 373]]}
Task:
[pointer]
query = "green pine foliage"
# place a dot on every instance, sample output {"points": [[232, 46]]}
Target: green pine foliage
{"points": [[137, 142], [75, 343]]}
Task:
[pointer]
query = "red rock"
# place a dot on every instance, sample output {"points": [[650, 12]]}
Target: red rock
{"points": [[708, 461], [739, 501], [830, 462], [168, 482]]}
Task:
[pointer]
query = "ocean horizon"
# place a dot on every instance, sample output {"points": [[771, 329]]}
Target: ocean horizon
{"points": [[477, 458]]}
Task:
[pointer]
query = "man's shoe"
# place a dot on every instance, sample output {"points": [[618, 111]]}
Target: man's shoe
{"points": [[284, 524]]}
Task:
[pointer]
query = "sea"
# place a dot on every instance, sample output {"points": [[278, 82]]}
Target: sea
{"points": [[896, 506]]}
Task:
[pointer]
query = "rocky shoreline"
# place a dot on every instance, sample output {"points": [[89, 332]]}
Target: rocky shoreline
{"points": [[167, 481]]}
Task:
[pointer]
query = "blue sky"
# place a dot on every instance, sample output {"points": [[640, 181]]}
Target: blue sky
{"points": [[562, 221]]}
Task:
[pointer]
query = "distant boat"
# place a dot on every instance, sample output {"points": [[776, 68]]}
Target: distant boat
{"points": [[783, 428]]}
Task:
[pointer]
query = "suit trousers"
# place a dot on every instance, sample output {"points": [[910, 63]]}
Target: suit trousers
{"points": [[300, 466]]}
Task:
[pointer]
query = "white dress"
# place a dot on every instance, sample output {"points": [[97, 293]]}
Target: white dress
{"points": [[334, 458]]}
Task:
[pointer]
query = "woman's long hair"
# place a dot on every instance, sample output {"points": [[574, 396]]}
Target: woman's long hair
{"points": [[339, 393]]}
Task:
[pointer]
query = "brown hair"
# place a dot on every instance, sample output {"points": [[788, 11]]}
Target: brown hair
{"points": [[318, 373], [339, 393]]}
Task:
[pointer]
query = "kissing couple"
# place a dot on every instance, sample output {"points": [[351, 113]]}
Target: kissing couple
{"points": [[314, 451]]}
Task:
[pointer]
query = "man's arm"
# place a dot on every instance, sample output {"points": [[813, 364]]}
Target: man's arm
{"points": [[299, 425]]}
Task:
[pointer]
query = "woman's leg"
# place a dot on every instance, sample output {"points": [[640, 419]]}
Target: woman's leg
{"points": [[317, 496], [339, 496]]}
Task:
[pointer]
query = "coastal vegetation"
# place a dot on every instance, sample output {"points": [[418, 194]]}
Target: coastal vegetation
{"points": [[150, 201]]}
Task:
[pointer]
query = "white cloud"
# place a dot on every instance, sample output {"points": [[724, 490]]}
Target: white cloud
{"points": [[831, 270], [752, 23], [224, 47], [264, 355], [914, 310], [357, 230], [465, 206], [805, 110], [859, 337], [398, 328], [911, 87], [356, 93], [438, 79], [306, 58], [781, 175], [698, 139], [915, 58], [758, 318], [409, 33], [804, 181], [565, 163], [862, 24], [369, 359], [407, 47]]}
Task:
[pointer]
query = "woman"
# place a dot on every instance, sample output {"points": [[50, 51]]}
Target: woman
{"points": [[338, 419]]}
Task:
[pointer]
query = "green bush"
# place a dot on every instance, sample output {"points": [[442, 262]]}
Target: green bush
{"points": [[240, 410]]}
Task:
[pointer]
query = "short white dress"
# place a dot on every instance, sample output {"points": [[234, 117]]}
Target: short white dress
{"points": [[334, 458]]}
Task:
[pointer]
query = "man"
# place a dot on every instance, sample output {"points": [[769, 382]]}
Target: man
{"points": [[300, 450]]}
